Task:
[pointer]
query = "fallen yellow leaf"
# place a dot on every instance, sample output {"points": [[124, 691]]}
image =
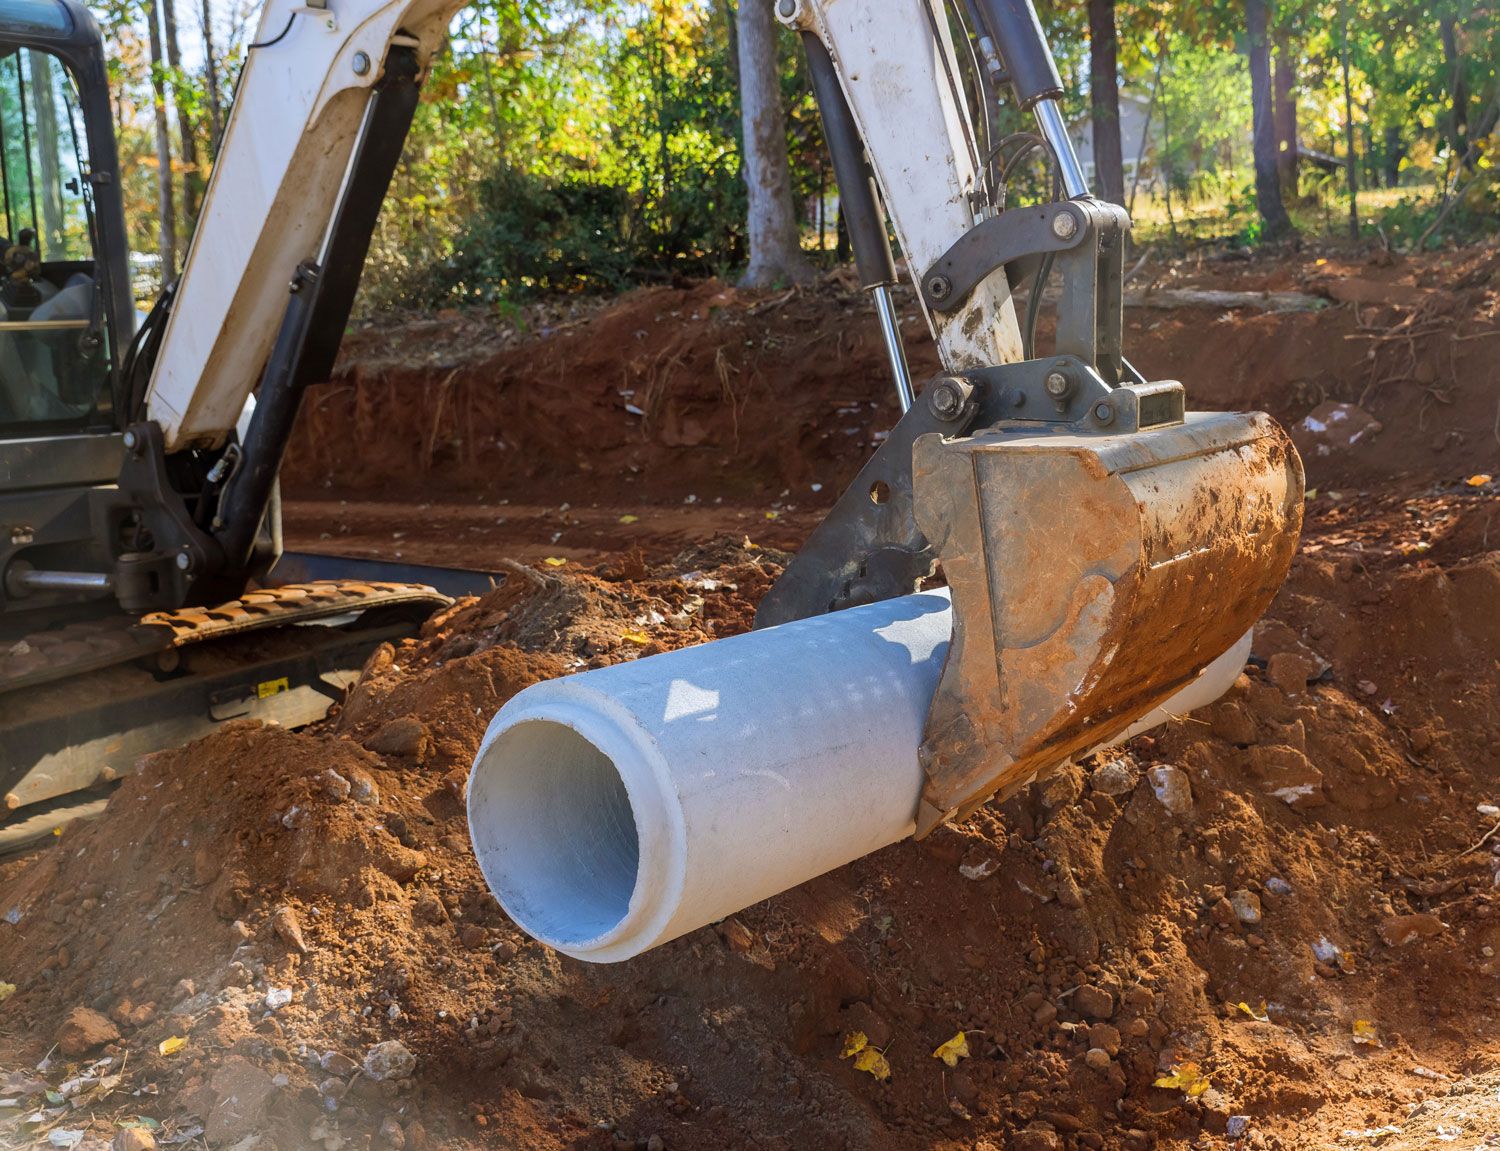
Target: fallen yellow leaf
{"points": [[952, 1051], [1187, 1078], [872, 1061], [1366, 1033], [1259, 1014], [554, 562], [854, 1043], [627, 519], [639, 638], [772, 515], [172, 1044], [1479, 480], [6, 991]]}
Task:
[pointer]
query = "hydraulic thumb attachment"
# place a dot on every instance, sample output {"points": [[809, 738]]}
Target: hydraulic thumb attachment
{"points": [[1100, 555]]}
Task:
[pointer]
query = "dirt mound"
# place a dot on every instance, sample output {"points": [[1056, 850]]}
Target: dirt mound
{"points": [[674, 391], [1232, 905]]}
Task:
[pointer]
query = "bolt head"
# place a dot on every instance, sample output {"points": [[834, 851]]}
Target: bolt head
{"points": [[786, 9], [132, 441], [1104, 412], [947, 399], [1057, 385], [939, 286], [1064, 225], [361, 63], [183, 561]]}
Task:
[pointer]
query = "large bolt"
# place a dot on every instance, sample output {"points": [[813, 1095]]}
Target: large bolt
{"points": [[939, 286], [361, 63], [786, 9], [947, 398], [1057, 385], [1064, 225], [132, 441], [184, 561], [1104, 412]]}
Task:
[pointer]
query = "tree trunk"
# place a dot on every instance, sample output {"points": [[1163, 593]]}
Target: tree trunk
{"points": [[775, 239], [1458, 90], [168, 217], [1267, 184], [1395, 150], [192, 178], [1285, 98], [211, 83], [1104, 90], [51, 244], [1351, 159]]}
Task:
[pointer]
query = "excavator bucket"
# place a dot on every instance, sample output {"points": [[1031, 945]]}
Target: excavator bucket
{"points": [[1092, 575]]}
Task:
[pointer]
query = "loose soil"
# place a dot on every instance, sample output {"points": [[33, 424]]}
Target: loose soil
{"points": [[1283, 904]]}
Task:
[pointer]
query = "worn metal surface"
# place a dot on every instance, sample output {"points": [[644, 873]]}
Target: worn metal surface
{"points": [[60, 461], [1092, 576]]}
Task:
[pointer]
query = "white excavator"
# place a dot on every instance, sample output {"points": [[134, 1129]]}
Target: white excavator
{"points": [[1102, 545]]}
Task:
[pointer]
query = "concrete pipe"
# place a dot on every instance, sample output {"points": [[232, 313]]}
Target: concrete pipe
{"points": [[614, 810]]}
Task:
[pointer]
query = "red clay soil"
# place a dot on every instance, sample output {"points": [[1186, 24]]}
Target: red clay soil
{"points": [[1284, 905], [709, 392]]}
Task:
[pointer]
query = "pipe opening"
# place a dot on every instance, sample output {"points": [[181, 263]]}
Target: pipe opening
{"points": [[554, 832]]}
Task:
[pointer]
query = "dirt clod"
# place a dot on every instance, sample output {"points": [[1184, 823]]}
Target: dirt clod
{"points": [[83, 1030]]}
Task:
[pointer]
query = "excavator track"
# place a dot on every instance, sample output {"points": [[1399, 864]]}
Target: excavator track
{"points": [[88, 645], [81, 703]]}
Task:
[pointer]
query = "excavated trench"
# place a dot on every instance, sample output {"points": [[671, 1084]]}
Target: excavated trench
{"points": [[1273, 918]]}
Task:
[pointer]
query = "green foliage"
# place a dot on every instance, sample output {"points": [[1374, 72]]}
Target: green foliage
{"points": [[585, 145]]}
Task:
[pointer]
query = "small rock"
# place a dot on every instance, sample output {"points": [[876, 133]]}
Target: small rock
{"points": [[337, 1063], [1287, 773], [389, 1061], [1291, 671], [1105, 1036], [362, 788], [1137, 1029], [1093, 1002], [1098, 1059], [1232, 722], [335, 786], [1223, 912], [185, 989], [1114, 777], [405, 735], [1171, 787], [1278, 886], [656, 1143], [133, 1139], [736, 936], [391, 1135], [1399, 930], [1246, 906], [277, 998], [241, 931], [333, 1088], [1037, 1137], [1237, 1126], [288, 929], [83, 1030], [471, 936], [1044, 1014]]}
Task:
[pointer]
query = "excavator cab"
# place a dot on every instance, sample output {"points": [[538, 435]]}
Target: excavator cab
{"points": [[65, 302]]}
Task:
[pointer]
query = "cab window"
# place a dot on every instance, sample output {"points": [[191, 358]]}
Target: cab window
{"points": [[54, 373]]}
